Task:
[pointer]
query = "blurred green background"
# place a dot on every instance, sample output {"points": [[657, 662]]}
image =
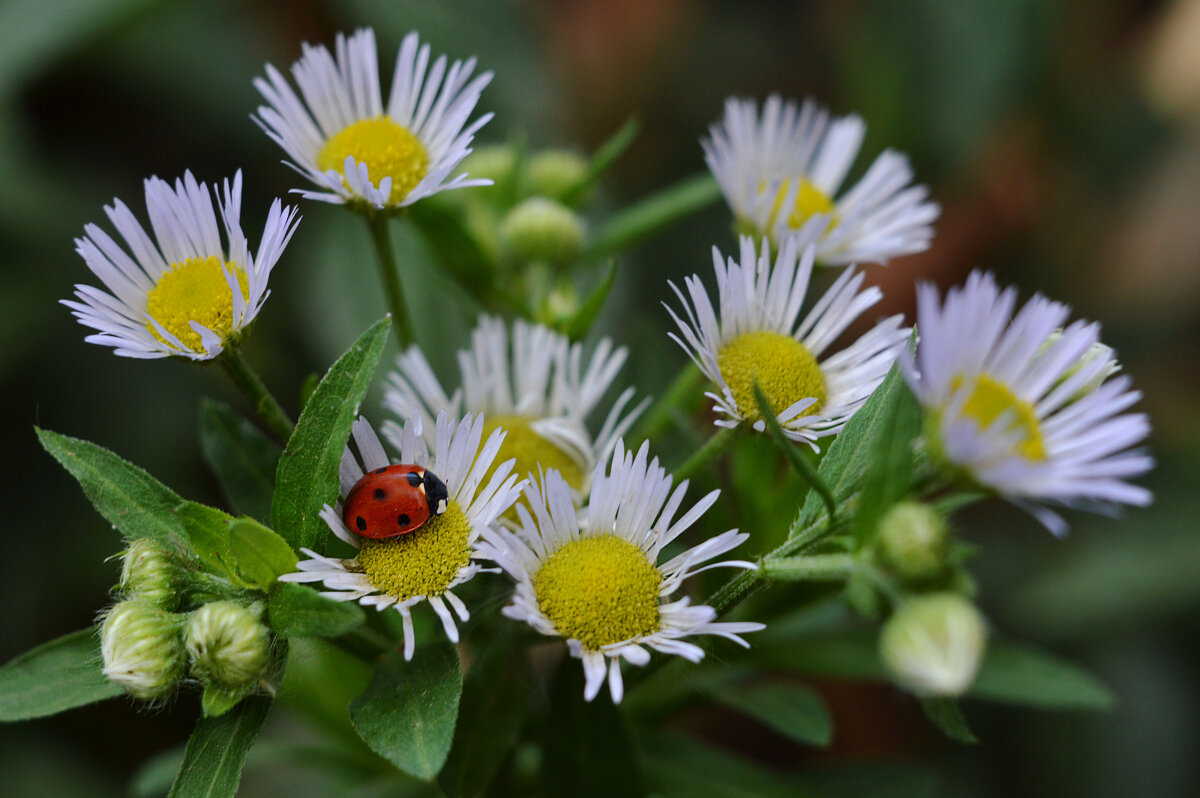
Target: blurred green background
{"points": [[1061, 138]]}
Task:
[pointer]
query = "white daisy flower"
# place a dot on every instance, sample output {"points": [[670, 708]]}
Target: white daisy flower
{"points": [[183, 292], [343, 138], [426, 564], [597, 581], [1014, 401], [780, 170], [756, 339], [537, 387]]}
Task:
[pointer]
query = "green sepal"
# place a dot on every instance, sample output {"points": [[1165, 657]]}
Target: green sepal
{"points": [[947, 716], [216, 700]]}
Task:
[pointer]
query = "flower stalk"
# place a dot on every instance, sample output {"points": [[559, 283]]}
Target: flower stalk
{"points": [[251, 385]]}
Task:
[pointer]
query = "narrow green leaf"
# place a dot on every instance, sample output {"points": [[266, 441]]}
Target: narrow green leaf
{"points": [[260, 554], [653, 214], [299, 611], [583, 320], [54, 677], [946, 714], [677, 766], [494, 704], [1016, 674], [889, 472], [307, 477], [243, 458], [603, 159], [588, 753], [207, 529], [793, 710], [216, 751], [798, 461], [407, 712], [135, 503]]}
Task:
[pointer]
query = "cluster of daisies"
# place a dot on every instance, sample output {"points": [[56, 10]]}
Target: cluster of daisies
{"points": [[1018, 402]]}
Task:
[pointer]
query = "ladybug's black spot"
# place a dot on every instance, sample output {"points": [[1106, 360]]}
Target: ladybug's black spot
{"points": [[380, 494], [413, 478], [380, 470], [404, 519], [361, 523]]}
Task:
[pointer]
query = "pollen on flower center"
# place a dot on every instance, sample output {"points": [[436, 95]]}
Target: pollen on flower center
{"points": [[782, 366], [198, 290], [388, 150], [531, 451], [810, 200], [990, 399], [423, 562], [599, 590]]}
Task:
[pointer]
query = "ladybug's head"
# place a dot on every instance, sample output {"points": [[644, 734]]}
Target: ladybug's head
{"points": [[436, 494]]}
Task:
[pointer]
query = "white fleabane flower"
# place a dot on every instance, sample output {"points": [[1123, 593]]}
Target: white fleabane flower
{"points": [[535, 385], [181, 292], [343, 138], [756, 338], [785, 167], [1014, 400], [597, 581], [426, 564]]}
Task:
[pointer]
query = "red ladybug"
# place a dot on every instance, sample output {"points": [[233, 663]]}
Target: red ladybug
{"points": [[394, 500]]}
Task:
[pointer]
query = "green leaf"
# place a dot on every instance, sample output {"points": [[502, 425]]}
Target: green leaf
{"points": [[889, 472], [677, 766], [216, 701], [946, 714], [135, 503], [653, 214], [797, 459], [793, 710], [243, 458], [307, 478], [299, 611], [54, 677], [407, 712], [216, 751], [260, 554], [583, 320], [588, 752], [603, 159], [207, 529], [494, 703], [1017, 674]]}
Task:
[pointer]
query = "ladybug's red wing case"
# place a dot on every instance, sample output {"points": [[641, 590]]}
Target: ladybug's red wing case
{"points": [[393, 500]]}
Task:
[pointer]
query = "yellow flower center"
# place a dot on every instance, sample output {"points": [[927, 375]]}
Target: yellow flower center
{"points": [[599, 590], [990, 399], [810, 201], [423, 562], [388, 150], [531, 450], [194, 290], [782, 366]]}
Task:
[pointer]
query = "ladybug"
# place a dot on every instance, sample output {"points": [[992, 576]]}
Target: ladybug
{"points": [[394, 500]]}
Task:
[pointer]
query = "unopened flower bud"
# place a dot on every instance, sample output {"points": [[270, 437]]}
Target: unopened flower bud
{"points": [[152, 572], [912, 541], [552, 173], [1099, 356], [541, 229], [227, 644], [933, 644], [142, 648]]}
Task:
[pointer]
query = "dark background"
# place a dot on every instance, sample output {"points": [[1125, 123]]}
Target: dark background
{"points": [[1061, 138]]}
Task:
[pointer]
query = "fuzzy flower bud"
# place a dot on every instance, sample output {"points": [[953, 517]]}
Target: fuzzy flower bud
{"points": [[553, 172], [227, 644], [912, 541], [933, 644], [541, 229], [152, 572], [142, 648]]}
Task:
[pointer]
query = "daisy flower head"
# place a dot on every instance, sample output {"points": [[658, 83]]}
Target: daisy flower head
{"points": [[533, 383], [1022, 405], [356, 149], [424, 565], [780, 169], [597, 581], [756, 336], [183, 291]]}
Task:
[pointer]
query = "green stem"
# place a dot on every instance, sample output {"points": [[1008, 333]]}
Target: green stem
{"points": [[811, 567], [250, 384], [659, 417], [381, 236], [714, 446]]}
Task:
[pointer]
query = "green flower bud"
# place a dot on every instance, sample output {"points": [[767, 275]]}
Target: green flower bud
{"points": [[227, 644], [541, 229], [912, 541], [495, 162], [152, 572], [142, 648], [933, 644], [551, 173], [1098, 352]]}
